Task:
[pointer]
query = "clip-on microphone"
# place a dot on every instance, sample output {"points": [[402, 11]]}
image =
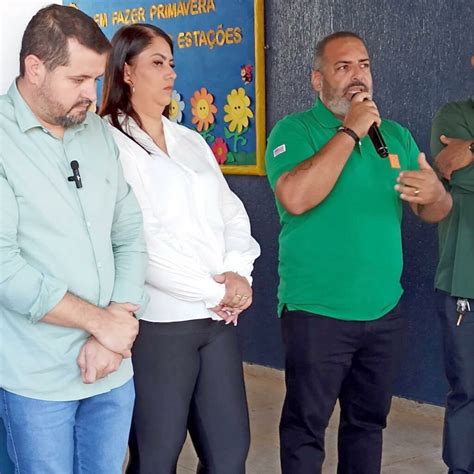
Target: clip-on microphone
{"points": [[76, 177]]}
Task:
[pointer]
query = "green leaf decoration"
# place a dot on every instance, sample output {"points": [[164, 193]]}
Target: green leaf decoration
{"points": [[230, 158]]}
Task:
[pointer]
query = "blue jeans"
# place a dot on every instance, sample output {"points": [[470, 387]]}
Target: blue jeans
{"points": [[6, 466], [83, 436]]}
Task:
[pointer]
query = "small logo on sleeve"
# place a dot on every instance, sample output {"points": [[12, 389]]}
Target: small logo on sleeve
{"points": [[279, 150]]}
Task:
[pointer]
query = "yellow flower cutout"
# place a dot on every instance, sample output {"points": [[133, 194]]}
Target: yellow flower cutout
{"points": [[203, 109], [237, 109]]}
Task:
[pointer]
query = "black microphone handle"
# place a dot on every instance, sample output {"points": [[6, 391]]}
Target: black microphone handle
{"points": [[378, 141]]}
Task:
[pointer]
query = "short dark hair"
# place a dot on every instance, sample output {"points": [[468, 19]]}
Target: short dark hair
{"points": [[47, 34], [127, 44], [321, 46]]}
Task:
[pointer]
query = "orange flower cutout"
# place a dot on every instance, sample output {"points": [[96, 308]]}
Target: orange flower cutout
{"points": [[203, 109]]}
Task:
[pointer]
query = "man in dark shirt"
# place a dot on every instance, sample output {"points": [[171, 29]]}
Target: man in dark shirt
{"points": [[452, 143]]}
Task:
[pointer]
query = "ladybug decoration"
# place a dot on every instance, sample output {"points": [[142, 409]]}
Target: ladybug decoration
{"points": [[246, 73]]}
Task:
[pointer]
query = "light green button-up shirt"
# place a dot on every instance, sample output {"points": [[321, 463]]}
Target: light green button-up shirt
{"points": [[56, 238]]}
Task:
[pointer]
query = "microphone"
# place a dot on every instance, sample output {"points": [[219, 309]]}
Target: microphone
{"points": [[377, 140], [76, 177]]}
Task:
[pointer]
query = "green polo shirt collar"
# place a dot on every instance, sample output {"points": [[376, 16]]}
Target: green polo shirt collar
{"points": [[324, 116], [26, 118]]}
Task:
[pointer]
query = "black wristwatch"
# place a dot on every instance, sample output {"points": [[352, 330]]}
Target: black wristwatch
{"points": [[471, 148]]}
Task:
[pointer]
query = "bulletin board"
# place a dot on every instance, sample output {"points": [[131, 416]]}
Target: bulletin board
{"points": [[219, 57]]}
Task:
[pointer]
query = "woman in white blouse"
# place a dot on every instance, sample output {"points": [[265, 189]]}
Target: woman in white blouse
{"points": [[188, 368]]}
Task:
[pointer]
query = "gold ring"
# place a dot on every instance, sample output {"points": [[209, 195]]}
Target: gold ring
{"points": [[417, 191], [238, 296]]}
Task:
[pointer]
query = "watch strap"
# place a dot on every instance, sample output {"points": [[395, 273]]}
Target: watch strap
{"points": [[349, 132]]}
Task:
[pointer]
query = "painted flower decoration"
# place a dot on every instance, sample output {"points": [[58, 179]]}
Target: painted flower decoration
{"points": [[219, 148], [237, 109], [203, 109], [176, 107]]}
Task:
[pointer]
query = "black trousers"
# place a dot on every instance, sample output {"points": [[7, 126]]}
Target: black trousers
{"points": [[188, 376], [458, 439], [327, 359]]}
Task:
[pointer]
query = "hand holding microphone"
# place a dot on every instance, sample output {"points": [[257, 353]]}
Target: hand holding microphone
{"points": [[362, 114], [364, 119]]}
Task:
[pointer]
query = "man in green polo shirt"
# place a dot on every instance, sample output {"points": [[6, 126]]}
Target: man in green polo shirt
{"points": [[72, 258], [452, 143], [341, 259]]}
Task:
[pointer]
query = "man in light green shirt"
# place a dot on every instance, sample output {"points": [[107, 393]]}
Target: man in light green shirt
{"points": [[72, 258]]}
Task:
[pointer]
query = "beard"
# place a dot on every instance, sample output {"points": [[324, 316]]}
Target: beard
{"points": [[336, 100], [57, 113], [339, 106]]}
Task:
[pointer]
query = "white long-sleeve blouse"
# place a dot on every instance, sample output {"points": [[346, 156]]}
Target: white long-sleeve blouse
{"points": [[195, 226]]}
